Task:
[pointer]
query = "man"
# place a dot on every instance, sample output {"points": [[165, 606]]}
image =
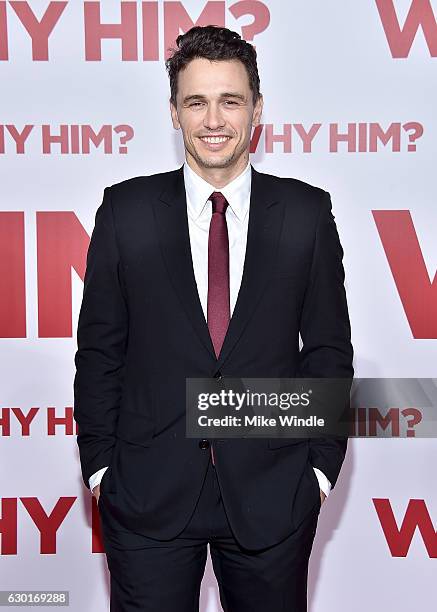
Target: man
{"points": [[210, 270]]}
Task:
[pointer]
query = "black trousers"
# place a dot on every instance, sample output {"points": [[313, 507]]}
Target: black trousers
{"points": [[151, 575]]}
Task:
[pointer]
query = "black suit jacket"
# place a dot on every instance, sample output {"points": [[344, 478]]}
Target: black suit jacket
{"points": [[141, 332]]}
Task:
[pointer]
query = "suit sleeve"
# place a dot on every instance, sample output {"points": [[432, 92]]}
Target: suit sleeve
{"points": [[325, 330], [102, 333]]}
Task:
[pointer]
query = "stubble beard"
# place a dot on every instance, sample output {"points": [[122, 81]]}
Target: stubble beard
{"points": [[214, 161]]}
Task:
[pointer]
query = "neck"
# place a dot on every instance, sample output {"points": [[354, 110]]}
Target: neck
{"points": [[218, 177]]}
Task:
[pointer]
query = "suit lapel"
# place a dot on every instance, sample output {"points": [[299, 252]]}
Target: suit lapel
{"points": [[265, 222], [172, 222]]}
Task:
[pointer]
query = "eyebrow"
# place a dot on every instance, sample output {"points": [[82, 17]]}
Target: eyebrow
{"points": [[228, 94]]}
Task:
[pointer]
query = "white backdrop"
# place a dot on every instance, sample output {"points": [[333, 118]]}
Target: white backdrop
{"points": [[368, 67]]}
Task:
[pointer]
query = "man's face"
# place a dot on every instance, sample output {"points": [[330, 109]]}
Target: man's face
{"points": [[214, 99]]}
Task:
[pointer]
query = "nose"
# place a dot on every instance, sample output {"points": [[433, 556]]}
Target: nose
{"points": [[213, 118]]}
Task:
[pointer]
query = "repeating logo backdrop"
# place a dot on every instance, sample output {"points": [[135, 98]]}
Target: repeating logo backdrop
{"points": [[350, 92]]}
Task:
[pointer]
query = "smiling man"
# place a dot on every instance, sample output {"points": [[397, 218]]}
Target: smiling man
{"points": [[210, 270]]}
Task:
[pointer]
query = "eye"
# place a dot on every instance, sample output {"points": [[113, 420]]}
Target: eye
{"points": [[195, 103], [230, 102]]}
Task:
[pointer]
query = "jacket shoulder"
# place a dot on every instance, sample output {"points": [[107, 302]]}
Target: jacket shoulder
{"points": [[289, 186], [137, 186]]}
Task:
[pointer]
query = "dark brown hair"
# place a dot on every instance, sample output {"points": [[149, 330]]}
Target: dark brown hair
{"points": [[213, 43]]}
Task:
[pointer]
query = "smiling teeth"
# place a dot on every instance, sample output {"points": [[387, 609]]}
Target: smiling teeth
{"points": [[215, 140]]}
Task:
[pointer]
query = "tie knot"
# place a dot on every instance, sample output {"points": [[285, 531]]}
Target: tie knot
{"points": [[219, 202]]}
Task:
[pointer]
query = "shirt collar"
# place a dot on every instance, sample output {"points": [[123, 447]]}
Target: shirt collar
{"points": [[198, 190]]}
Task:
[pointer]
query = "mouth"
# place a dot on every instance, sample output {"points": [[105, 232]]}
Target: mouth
{"points": [[214, 143]]}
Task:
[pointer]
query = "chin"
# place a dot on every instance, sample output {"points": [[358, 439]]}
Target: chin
{"points": [[216, 161]]}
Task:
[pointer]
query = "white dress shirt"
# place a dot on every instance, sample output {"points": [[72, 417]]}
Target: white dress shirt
{"points": [[199, 212]]}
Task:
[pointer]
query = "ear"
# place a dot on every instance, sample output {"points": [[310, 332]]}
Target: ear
{"points": [[174, 116], [257, 111]]}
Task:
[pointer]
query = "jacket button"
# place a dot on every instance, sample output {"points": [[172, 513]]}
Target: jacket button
{"points": [[204, 444], [218, 375]]}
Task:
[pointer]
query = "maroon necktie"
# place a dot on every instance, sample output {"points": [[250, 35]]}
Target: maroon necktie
{"points": [[218, 272], [218, 309]]}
